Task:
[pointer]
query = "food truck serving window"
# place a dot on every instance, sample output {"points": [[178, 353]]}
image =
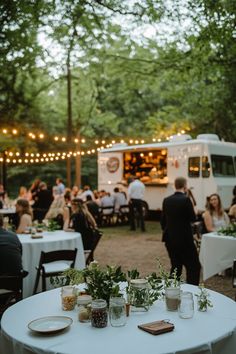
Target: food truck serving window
{"points": [[149, 165], [194, 166], [222, 166]]}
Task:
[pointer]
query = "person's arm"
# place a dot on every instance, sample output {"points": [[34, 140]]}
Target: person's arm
{"points": [[66, 219], [208, 221], [25, 221]]}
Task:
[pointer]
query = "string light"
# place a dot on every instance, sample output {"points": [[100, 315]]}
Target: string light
{"points": [[33, 157]]}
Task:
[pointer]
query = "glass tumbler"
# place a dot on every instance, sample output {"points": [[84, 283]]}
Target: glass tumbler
{"points": [[117, 311], [172, 297], [186, 306]]}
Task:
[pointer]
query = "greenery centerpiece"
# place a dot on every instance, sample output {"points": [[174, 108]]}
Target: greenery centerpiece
{"points": [[229, 230], [203, 299], [104, 283]]}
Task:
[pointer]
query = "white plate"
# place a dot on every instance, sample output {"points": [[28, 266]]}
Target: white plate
{"points": [[50, 324]]}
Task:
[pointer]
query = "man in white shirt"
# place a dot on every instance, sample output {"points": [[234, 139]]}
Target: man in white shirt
{"points": [[136, 192]]}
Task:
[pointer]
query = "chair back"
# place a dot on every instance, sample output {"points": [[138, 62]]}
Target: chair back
{"points": [[59, 255], [11, 289], [89, 254]]}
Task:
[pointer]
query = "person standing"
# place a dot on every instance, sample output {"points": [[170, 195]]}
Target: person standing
{"points": [[136, 191], [177, 216]]}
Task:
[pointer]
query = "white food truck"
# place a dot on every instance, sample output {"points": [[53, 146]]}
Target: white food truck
{"points": [[208, 164]]}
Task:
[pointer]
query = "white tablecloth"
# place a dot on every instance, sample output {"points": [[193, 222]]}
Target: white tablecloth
{"points": [[217, 253], [51, 241], [212, 332], [7, 211]]}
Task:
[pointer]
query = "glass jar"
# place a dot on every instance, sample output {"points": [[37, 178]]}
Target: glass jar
{"points": [[139, 295], [99, 313], [117, 311], [84, 304], [68, 298], [186, 305], [172, 297]]}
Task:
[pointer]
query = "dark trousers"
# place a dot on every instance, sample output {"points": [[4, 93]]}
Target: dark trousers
{"points": [[136, 212], [187, 257]]}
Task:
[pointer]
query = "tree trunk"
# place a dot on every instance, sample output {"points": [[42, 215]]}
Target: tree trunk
{"points": [[69, 122]]}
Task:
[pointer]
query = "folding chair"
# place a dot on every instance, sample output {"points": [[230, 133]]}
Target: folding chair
{"points": [[11, 290], [89, 254], [123, 215], [53, 264], [107, 214]]}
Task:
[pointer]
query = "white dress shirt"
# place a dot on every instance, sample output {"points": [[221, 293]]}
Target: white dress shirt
{"points": [[136, 190]]}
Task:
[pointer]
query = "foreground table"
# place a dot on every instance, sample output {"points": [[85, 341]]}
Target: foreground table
{"points": [[217, 253], [212, 332], [51, 241]]}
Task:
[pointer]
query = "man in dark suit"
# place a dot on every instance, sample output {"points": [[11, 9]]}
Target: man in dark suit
{"points": [[177, 216], [10, 252]]}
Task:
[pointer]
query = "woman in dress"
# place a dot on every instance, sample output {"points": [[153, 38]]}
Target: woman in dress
{"points": [[24, 215], [83, 222], [215, 217]]}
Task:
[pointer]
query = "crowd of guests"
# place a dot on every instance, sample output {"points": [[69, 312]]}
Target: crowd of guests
{"points": [[82, 211]]}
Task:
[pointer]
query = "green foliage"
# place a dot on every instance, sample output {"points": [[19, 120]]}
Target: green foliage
{"points": [[229, 230], [121, 86]]}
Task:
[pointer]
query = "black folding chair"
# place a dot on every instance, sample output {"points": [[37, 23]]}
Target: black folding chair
{"points": [[52, 264], [11, 290]]}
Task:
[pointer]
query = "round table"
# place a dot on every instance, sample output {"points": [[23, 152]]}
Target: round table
{"points": [[213, 331], [51, 241]]}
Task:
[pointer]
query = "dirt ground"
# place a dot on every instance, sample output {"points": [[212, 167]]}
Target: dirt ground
{"points": [[134, 249]]}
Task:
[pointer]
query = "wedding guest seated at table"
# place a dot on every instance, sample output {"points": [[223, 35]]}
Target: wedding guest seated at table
{"points": [[56, 209], [24, 215], [23, 193], [93, 208], [10, 252], [214, 217], [232, 213], [83, 222]]}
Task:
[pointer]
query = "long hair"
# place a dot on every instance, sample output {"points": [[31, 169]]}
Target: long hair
{"points": [[210, 208], [81, 207], [26, 209]]}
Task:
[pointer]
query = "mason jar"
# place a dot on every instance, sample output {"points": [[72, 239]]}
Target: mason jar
{"points": [[99, 313], [186, 305], [84, 308], [117, 311], [68, 298], [139, 295]]}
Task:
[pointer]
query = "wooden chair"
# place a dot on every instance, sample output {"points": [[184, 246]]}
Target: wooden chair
{"points": [[107, 214], [89, 254], [123, 215], [11, 290], [53, 264], [197, 233]]}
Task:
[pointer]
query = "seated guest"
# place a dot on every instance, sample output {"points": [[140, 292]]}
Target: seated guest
{"points": [[75, 192], [93, 208], [10, 252], [232, 212], [86, 191], [82, 221], [214, 217], [119, 199], [24, 215], [23, 193], [107, 201], [56, 209]]}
